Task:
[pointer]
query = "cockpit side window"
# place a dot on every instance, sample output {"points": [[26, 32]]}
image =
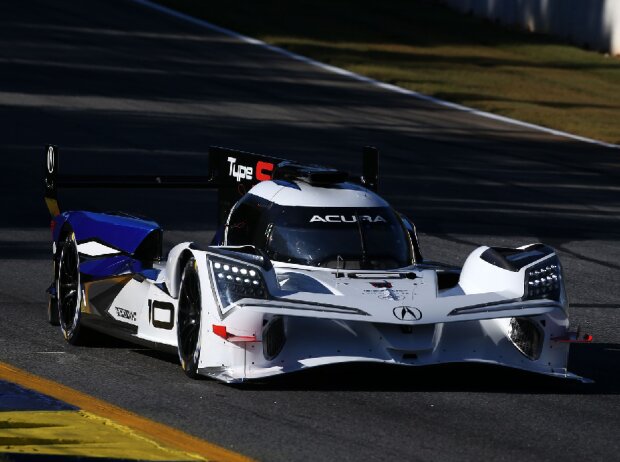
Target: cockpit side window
{"points": [[246, 222]]}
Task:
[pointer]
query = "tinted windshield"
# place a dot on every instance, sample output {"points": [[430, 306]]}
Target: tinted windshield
{"points": [[348, 238]]}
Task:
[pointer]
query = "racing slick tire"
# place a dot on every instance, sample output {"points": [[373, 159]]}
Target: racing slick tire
{"points": [[52, 312], [69, 292], [188, 319]]}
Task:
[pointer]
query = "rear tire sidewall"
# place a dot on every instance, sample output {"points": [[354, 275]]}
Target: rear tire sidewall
{"points": [[72, 330], [52, 311], [189, 360]]}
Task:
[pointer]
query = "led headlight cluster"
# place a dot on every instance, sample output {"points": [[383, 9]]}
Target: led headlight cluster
{"points": [[235, 280], [544, 280]]}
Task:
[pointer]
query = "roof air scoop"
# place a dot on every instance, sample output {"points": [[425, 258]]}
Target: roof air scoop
{"points": [[312, 174]]}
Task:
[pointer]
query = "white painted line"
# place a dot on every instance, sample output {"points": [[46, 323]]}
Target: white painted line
{"points": [[361, 78]]}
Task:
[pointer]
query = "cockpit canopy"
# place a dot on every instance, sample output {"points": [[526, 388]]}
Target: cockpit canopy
{"points": [[331, 237]]}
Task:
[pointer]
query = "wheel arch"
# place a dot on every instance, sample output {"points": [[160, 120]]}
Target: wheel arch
{"points": [[177, 258], [65, 230]]}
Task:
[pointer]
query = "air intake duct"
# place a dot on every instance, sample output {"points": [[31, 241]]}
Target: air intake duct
{"points": [[527, 336], [273, 338]]}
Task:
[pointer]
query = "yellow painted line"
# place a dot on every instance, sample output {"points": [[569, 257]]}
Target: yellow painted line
{"points": [[163, 434], [78, 433]]}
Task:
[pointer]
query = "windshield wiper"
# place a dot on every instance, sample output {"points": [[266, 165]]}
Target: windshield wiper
{"points": [[364, 263]]}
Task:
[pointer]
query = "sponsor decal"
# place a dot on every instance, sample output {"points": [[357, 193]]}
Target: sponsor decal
{"points": [[240, 172], [388, 294], [346, 219], [263, 170], [407, 313], [396, 295], [126, 314], [50, 159]]}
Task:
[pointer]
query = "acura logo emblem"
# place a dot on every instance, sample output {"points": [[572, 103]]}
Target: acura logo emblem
{"points": [[50, 159], [407, 313]]}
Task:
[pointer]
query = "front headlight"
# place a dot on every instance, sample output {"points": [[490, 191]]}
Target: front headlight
{"points": [[544, 280], [235, 280]]}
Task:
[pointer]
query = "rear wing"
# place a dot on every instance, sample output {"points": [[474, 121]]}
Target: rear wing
{"points": [[230, 172]]}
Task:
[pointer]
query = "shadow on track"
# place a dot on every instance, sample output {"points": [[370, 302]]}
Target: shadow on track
{"points": [[595, 361]]}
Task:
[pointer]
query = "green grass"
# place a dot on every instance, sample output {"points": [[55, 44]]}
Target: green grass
{"points": [[426, 47]]}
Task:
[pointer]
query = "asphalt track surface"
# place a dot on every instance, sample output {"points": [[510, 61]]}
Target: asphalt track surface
{"points": [[123, 89]]}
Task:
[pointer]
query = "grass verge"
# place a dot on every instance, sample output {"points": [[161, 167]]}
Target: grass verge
{"points": [[426, 47]]}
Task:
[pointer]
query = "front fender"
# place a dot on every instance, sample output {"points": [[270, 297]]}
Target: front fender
{"points": [[174, 266]]}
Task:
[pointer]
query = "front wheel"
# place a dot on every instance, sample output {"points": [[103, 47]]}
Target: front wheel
{"points": [[52, 311], [188, 319], [68, 292]]}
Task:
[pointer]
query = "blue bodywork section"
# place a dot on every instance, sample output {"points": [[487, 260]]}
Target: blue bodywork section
{"points": [[110, 266], [120, 232], [150, 273]]}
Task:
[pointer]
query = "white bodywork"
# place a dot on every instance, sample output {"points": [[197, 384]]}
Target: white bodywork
{"points": [[330, 317]]}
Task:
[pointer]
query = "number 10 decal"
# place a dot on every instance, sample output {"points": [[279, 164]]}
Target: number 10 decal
{"points": [[161, 314]]}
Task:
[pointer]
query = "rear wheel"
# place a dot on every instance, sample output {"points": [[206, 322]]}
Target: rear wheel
{"points": [[188, 319], [68, 292], [52, 311]]}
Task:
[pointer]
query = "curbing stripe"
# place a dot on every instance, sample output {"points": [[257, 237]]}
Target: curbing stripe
{"points": [[371, 81], [16, 398], [79, 434], [161, 433]]}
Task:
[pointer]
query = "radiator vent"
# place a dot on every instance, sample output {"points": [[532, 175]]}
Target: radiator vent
{"points": [[273, 338]]}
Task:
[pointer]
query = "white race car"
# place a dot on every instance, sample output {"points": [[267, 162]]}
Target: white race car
{"points": [[309, 267]]}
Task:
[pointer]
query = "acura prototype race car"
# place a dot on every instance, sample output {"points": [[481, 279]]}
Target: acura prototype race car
{"points": [[308, 267]]}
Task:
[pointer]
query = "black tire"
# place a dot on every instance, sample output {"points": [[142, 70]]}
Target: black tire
{"points": [[188, 319], [69, 292], [52, 311]]}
